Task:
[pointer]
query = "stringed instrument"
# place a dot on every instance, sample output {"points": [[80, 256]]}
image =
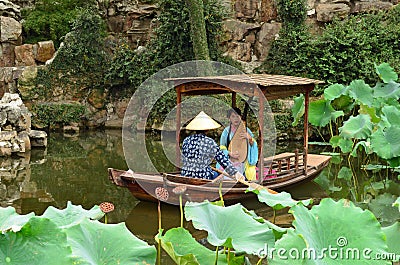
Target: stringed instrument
{"points": [[239, 144]]}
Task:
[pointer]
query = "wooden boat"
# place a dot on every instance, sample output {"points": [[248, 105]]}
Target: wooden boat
{"points": [[282, 174], [279, 172]]}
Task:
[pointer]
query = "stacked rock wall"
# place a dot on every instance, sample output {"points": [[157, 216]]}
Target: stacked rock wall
{"points": [[16, 136]]}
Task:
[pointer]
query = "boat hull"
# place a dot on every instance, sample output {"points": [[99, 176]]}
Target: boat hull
{"points": [[143, 186]]}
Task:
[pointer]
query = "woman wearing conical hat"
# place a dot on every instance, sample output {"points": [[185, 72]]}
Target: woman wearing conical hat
{"points": [[237, 141], [199, 150]]}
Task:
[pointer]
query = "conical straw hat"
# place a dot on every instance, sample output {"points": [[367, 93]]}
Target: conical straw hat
{"points": [[202, 122]]}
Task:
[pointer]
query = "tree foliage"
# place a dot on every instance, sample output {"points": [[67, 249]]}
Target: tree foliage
{"points": [[346, 50]]}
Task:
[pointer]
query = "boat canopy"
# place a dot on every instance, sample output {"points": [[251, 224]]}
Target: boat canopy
{"points": [[271, 86]]}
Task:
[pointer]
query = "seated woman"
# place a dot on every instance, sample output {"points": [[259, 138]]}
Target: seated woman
{"points": [[245, 164], [199, 150]]}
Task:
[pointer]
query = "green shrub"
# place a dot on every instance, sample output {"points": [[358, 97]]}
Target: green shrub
{"points": [[49, 115], [81, 62], [50, 20]]}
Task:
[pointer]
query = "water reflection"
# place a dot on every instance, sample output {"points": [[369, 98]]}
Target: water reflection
{"points": [[70, 169]]}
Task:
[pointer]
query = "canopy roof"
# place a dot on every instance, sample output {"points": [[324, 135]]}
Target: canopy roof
{"points": [[272, 86]]}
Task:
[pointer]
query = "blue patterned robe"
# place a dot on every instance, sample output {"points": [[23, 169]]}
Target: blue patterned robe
{"points": [[198, 151]]}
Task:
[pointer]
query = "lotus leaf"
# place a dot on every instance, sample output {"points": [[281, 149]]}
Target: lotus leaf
{"points": [[344, 103], [334, 91], [391, 90], [359, 127], [345, 173], [184, 249], [335, 157], [321, 113], [280, 200], [291, 240], [95, 243], [346, 145], [393, 239], [10, 219], [365, 144], [72, 214], [334, 233], [391, 115], [373, 167], [39, 242], [229, 226], [397, 203], [394, 162], [371, 111], [278, 231], [386, 72], [325, 183], [382, 208], [386, 143], [298, 109], [334, 141], [361, 92]]}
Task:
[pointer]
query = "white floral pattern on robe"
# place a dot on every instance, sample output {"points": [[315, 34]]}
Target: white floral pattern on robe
{"points": [[198, 151]]}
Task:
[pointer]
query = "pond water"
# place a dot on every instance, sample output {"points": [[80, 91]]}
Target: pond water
{"points": [[75, 169]]}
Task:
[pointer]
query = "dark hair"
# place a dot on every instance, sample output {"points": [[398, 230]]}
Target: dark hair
{"points": [[234, 109]]}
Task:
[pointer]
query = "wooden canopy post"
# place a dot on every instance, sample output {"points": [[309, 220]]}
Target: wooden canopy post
{"points": [[178, 126], [305, 144], [261, 136], [233, 99]]}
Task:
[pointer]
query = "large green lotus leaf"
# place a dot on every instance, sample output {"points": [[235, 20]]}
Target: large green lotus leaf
{"points": [[11, 220], [386, 72], [339, 225], [359, 127], [361, 92], [397, 203], [298, 109], [229, 226], [393, 239], [382, 208], [334, 91], [290, 241], [278, 231], [280, 200], [391, 90], [95, 243], [184, 249], [321, 113], [391, 115], [371, 111], [72, 215], [386, 143], [39, 242]]}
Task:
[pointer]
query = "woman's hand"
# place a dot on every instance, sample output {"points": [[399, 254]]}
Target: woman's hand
{"points": [[247, 136]]}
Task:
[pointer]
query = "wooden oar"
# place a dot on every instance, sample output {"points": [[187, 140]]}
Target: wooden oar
{"points": [[250, 184]]}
